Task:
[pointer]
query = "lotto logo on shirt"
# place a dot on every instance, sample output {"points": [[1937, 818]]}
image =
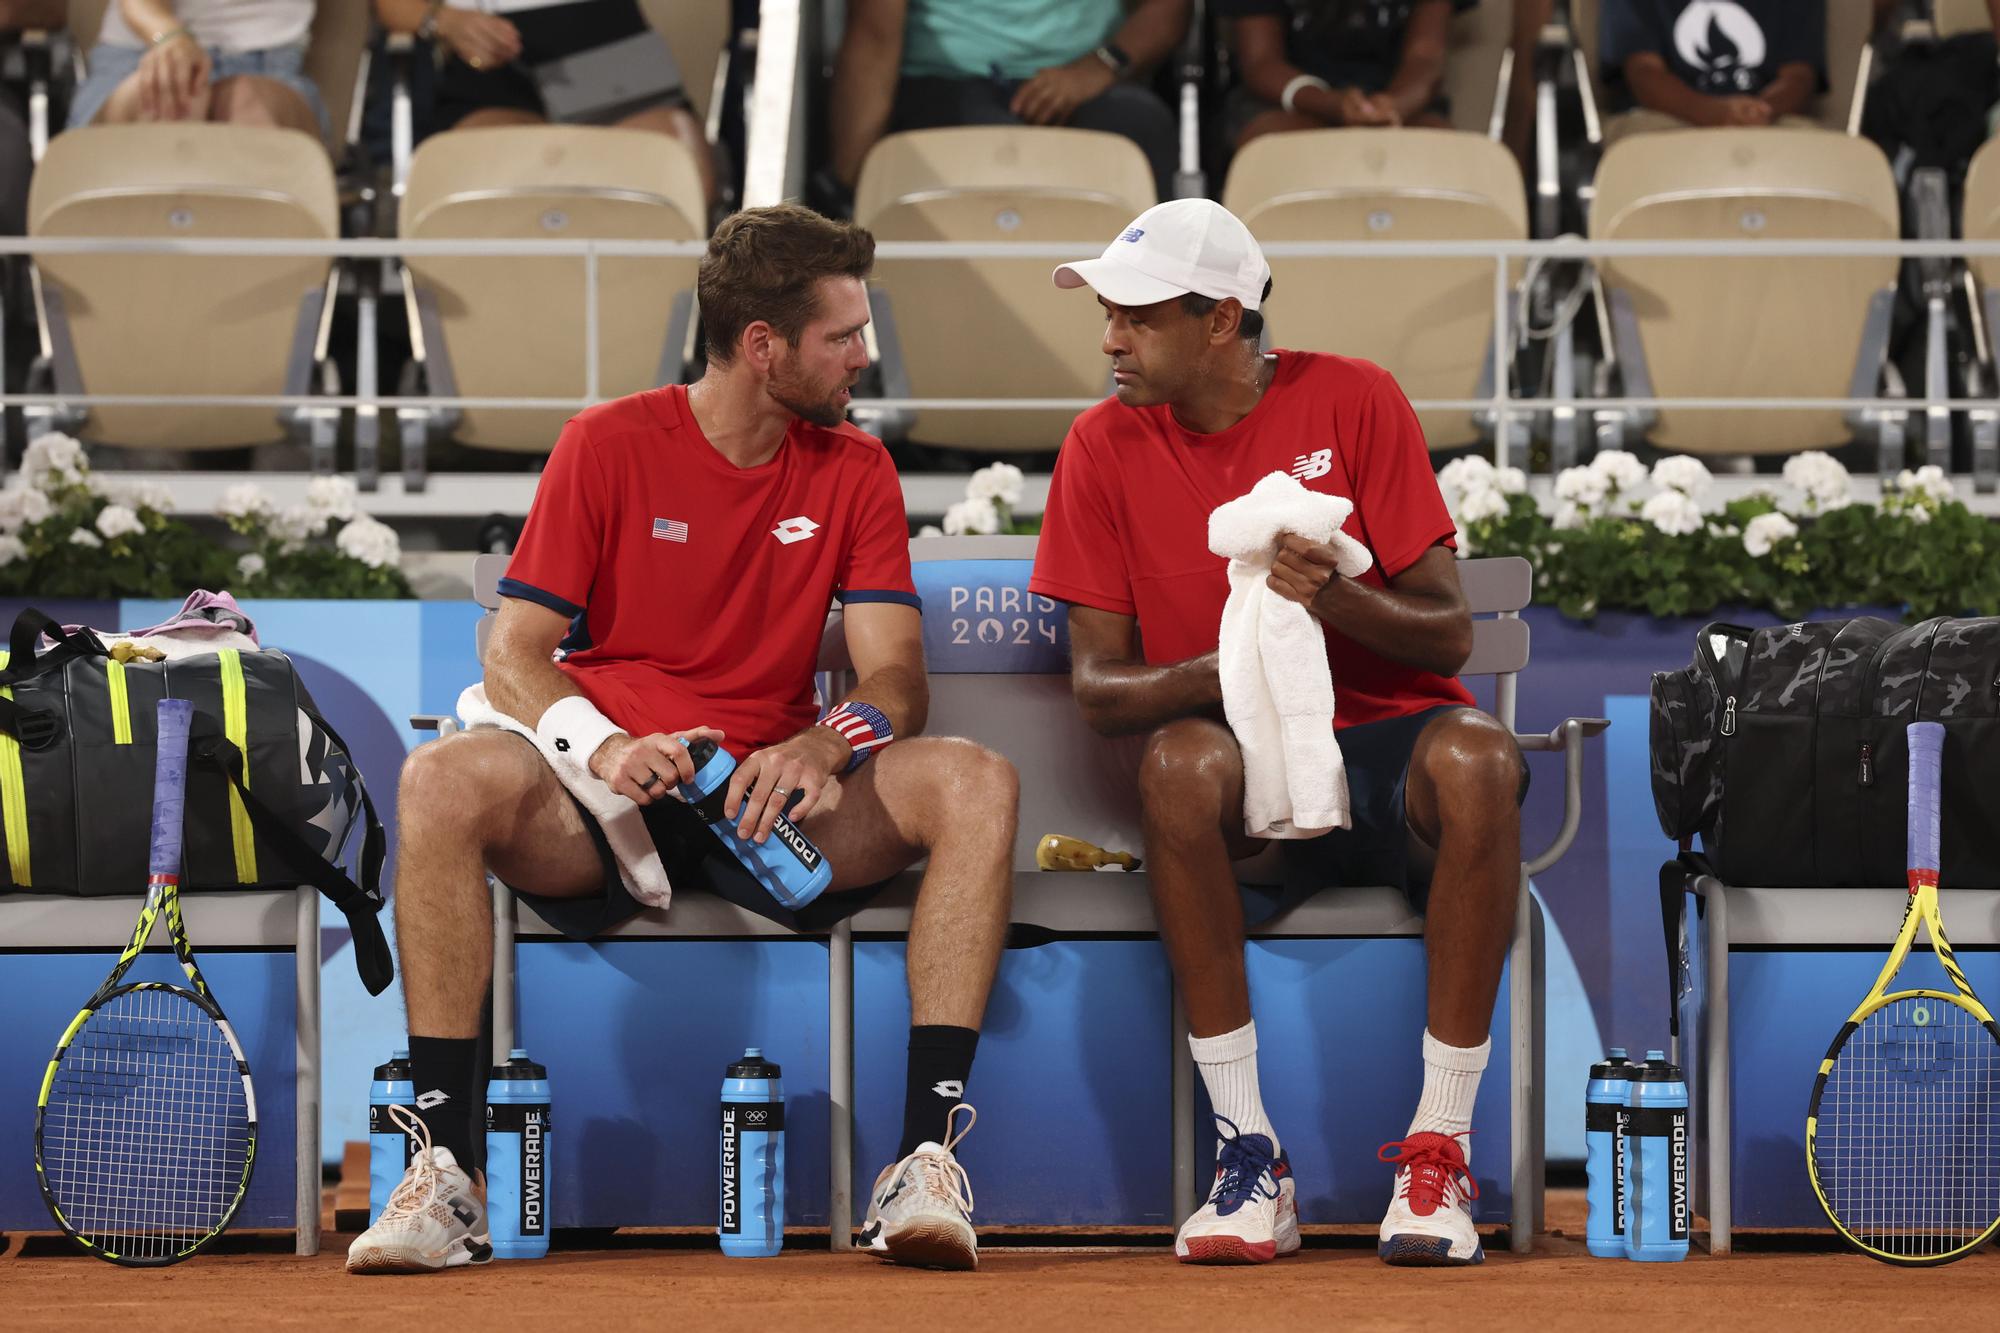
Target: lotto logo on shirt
{"points": [[794, 530]]}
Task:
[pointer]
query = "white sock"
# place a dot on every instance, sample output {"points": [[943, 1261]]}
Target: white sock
{"points": [[1228, 1066], [1451, 1081]]}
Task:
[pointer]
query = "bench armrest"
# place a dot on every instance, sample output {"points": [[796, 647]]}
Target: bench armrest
{"points": [[444, 724], [1567, 736]]}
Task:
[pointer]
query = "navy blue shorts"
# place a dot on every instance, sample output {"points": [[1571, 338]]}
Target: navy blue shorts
{"points": [[1376, 850]]}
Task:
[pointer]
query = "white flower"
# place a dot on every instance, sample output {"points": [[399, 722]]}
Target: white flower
{"points": [[334, 496], [1583, 488], [971, 516], [996, 481], [374, 544], [12, 548], [53, 460], [35, 506], [1620, 471], [85, 537], [1481, 504], [1821, 478], [295, 525], [1511, 480], [930, 530], [245, 500], [1570, 515], [1683, 474], [1918, 514], [1927, 484], [250, 566], [1462, 475], [152, 495], [1766, 531], [1673, 513], [116, 521]]}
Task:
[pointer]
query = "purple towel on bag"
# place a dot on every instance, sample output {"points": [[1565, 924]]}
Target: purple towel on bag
{"points": [[202, 610]]}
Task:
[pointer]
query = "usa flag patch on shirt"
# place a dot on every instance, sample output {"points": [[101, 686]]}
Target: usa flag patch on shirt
{"points": [[670, 530]]}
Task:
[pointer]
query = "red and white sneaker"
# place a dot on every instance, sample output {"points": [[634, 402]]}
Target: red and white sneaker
{"points": [[1429, 1224], [1252, 1214]]}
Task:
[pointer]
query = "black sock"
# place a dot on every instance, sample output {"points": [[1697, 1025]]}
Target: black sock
{"points": [[445, 1073], [940, 1061]]}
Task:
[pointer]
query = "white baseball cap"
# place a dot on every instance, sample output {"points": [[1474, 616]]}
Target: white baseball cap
{"points": [[1181, 246]]}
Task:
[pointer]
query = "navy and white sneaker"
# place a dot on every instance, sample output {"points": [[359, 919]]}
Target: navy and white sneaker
{"points": [[920, 1211], [1252, 1213], [1429, 1224], [435, 1218]]}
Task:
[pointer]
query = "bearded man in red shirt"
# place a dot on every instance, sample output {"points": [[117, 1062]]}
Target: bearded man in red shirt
{"points": [[1199, 416]]}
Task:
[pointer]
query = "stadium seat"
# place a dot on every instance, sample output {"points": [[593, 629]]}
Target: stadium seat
{"points": [[699, 35], [172, 324], [1956, 18], [1748, 327], [516, 327], [992, 328], [1479, 67], [1429, 322], [1981, 222]]}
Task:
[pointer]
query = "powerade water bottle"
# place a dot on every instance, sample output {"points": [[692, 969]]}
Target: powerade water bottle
{"points": [[1657, 1179], [517, 1158], [789, 867], [1604, 1146], [753, 1158], [389, 1148]]}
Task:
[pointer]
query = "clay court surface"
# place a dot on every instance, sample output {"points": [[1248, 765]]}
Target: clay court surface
{"points": [[676, 1282]]}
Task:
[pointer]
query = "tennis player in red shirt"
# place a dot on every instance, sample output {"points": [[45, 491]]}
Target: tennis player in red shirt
{"points": [[672, 583], [1199, 416]]}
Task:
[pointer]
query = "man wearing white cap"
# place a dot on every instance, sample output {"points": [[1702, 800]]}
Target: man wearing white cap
{"points": [[1198, 417]]}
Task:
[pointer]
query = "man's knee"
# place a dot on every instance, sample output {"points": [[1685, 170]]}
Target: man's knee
{"points": [[461, 782], [1469, 761], [1188, 771], [971, 784]]}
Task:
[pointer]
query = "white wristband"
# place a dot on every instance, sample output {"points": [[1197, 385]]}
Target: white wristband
{"points": [[574, 728], [1291, 93]]}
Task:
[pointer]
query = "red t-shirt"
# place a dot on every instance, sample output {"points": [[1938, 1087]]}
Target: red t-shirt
{"points": [[699, 590], [1127, 523]]}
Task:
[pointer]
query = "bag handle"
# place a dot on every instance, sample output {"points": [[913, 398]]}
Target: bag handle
{"points": [[29, 627]]}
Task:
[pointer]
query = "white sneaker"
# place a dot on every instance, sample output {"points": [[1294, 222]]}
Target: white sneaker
{"points": [[434, 1219], [1252, 1213], [920, 1212], [1429, 1224]]}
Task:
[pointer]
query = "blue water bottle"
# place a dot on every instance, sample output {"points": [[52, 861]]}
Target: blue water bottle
{"points": [[789, 867], [1604, 1147], [752, 1224], [389, 1148], [1657, 1179], [517, 1158]]}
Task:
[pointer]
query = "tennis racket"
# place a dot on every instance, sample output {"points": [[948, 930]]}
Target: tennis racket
{"points": [[1903, 1134], [147, 1126]]}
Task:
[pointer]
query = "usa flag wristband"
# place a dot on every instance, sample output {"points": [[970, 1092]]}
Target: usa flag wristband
{"points": [[861, 726]]}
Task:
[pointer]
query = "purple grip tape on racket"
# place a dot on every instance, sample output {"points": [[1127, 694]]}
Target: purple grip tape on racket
{"points": [[1926, 759], [170, 787]]}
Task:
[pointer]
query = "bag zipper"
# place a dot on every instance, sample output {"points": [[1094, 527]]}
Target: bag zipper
{"points": [[1867, 764], [1729, 716]]}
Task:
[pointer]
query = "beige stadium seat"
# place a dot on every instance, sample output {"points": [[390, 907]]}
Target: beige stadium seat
{"points": [[333, 57], [1478, 66], [1982, 223], [698, 33], [1428, 322], [1955, 18], [994, 328], [1749, 327], [161, 324], [1848, 59], [515, 328]]}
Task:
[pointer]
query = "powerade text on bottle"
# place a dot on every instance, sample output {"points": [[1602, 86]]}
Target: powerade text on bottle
{"points": [[1658, 1183], [1604, 1147], [389, 1148], [517, 1158], [789, 867], [752, 1224]]}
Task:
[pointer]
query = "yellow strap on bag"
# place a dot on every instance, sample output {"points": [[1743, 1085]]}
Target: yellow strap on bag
{"points": [[121, 706], [14, 802], [236, 726]]}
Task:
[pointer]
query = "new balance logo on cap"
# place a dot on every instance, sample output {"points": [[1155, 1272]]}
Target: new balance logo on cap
{"points": [[1315, 464], [1131, 234], [951, 1087], [430, 1101]]}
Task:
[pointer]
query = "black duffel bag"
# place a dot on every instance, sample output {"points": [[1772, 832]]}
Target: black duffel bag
{"points": [[272, 793], [1784, 749]]}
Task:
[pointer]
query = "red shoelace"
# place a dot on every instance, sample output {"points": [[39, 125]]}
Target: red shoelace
{"points": [[1437, 1170]]}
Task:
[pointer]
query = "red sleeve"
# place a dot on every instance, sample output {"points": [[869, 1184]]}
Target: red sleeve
{"points": [[561, 544], [877, 563], [1396, 498], [1080, 557]]}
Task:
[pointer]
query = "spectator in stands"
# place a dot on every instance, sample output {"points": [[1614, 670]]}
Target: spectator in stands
{"points": [[496, 50], [923, 64], [1669, 64], [1312, 63], [241, 61], [16, 159]]}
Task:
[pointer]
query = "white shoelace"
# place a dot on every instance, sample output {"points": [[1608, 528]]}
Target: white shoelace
{"points": [[941, 1175], [418, 1189]]}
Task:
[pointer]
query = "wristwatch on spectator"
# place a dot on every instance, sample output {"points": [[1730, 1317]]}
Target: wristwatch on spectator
{"points": [[428, 28], [1115, 59]]}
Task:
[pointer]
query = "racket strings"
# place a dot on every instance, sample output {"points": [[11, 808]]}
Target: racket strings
{"points": [[147, 1134], [1906, 1152]]}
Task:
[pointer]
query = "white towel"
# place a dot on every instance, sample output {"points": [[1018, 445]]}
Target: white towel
{"points": [[1277, 689], [623, 822]]}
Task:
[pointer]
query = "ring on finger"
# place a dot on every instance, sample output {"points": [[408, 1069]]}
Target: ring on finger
{"points": [[652, 781]]}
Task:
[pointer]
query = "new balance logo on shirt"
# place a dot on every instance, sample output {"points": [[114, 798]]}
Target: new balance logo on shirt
{"points": [[1315, 464]]}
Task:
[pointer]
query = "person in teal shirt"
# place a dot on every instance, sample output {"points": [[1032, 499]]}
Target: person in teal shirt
{"points": [[923, 64]]}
